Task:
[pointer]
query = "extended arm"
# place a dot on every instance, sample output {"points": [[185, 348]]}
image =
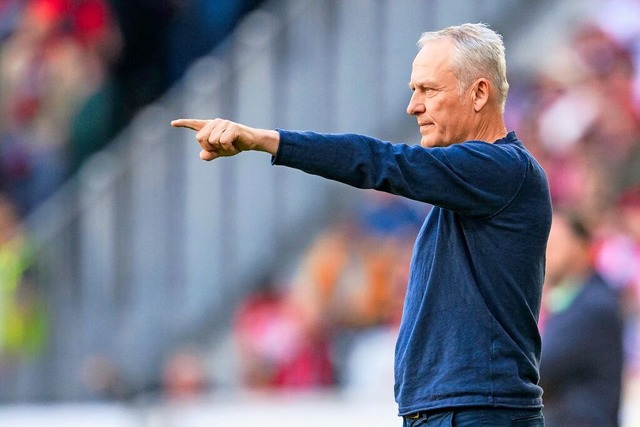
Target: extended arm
{"points": [[463, 177], [470, 178]]}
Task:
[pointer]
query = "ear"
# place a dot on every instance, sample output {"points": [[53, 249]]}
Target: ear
{"points": [[480, 93]]}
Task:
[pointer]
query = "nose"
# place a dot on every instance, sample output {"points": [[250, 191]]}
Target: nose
{"points": [[416, 106]]}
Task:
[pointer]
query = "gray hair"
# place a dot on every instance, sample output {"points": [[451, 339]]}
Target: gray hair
{"points": [[480, 53]]}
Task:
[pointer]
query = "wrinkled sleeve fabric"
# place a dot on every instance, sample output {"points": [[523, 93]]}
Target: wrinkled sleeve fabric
{"points": [[473, 178]]}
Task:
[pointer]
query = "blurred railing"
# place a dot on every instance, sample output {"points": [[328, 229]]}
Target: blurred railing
{"points": [[149, 247]]}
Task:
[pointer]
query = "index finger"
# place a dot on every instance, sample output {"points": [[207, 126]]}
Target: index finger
{"points": [[195, 124]]}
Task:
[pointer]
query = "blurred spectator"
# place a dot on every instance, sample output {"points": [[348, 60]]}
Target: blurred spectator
{"points": [[619, 18], [103, 379], [73, 72], [184, 376], [582, 351], [618, 260], [49, 65], [580, 118], [23, 320], [100, 115], [278, 350], [349, 275], [351, 281]]}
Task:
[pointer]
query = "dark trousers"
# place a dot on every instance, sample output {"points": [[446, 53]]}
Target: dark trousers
{"points": [[477, 417]]}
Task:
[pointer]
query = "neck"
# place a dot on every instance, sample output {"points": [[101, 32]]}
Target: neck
{"points": [[489, 123], [491, 130]]}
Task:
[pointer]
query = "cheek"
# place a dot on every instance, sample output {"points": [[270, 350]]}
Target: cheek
{"points": [[434, 105], [444, 112], [437, 114]]}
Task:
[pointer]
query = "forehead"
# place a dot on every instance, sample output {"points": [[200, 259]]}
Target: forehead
{"points": [[434, 60]]}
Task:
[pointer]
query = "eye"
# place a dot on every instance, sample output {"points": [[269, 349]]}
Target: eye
{"points": [[431, 92]]}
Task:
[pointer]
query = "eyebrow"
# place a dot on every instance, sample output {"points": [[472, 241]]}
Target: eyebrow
{"points": [[425, 84]]}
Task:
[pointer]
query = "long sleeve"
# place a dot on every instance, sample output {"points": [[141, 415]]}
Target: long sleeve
{"points": [[473, 178]]}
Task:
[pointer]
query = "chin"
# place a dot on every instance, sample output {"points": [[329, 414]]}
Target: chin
{"points": [[430, 143]]}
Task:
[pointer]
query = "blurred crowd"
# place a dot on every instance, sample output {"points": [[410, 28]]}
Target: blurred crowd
{"points": [[72, 74], [339, 314], [55, 56], [580, 115]]}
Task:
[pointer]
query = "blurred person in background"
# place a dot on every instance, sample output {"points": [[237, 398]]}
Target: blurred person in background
{"points": [[617, 258], [351, 280], [582, 351], [184, 375], [102, 378], [582, 120], [278, 347], [468, 346], [52, 62], [347, 290], [346, 274], [23, 319], [74, 72], [100, 114]]}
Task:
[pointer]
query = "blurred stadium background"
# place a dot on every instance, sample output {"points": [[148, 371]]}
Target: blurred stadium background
{"points": [[140, 286]]}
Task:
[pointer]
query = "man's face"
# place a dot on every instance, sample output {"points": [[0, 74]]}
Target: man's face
{"points": [[444, 116]]}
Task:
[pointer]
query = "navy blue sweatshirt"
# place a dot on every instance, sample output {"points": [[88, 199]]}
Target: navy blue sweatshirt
{"points": [[468, 335]]}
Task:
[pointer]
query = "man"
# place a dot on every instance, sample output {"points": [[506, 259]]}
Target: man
{"points": [[582, 355], [468, 345]]}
